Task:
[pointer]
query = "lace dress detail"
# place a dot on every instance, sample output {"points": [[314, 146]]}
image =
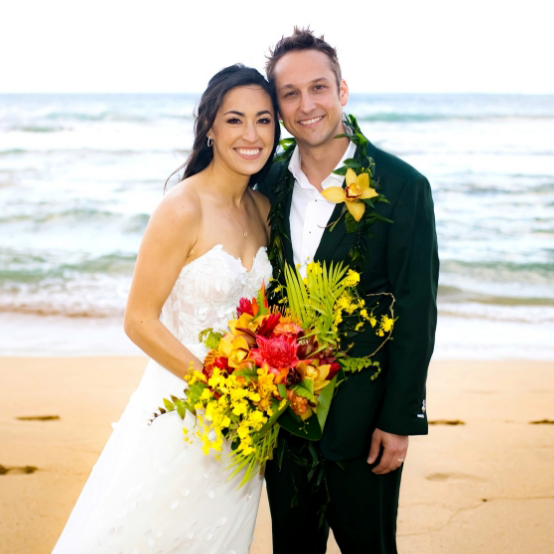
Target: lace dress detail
{"points": [[150, 492]]}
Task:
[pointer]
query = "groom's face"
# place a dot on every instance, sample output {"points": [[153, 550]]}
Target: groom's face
{"points": [[310, 101]]}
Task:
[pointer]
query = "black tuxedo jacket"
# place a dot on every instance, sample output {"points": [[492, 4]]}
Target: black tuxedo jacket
{"points": [[402, 259]]}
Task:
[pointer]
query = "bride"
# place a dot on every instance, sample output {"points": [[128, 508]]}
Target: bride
{"points": [[203, 249]]}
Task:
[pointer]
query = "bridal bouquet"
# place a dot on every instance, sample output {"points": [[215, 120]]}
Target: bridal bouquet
{"points": [[277, 367]]}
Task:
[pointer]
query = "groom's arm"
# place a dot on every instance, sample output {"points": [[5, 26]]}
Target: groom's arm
{"points": [[413, 267]]}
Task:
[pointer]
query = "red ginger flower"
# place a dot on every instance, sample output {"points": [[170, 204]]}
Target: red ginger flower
{"points": [[275, 352], [245, 307], [268, 325]]}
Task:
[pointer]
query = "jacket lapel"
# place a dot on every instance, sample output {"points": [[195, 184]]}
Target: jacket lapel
{"points": [[331, 239]]}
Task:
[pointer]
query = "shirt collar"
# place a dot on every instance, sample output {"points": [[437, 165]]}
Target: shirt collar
{"points": [[332, 179]]}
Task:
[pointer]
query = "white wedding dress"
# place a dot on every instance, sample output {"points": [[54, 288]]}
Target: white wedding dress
{"points": [[150, 492]]}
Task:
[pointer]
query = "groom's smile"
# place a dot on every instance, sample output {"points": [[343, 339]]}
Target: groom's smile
{"points": [[310, 122]]}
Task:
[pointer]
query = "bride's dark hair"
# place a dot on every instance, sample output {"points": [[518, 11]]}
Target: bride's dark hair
{"points": [[220, 84]]}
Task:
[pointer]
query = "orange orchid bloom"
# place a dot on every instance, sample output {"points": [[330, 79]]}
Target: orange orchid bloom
{"points": [[245, 321], [357, 188], [317, 373], [234, 348]]}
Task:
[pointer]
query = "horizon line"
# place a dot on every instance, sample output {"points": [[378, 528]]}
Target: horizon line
{"points": [[526, 93]]}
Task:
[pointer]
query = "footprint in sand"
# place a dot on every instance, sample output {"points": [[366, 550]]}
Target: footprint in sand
{"points": [[451, 476], [446, 422], [14, 470], [38, 418]]}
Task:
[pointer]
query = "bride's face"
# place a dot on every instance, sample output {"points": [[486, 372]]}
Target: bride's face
{"points": [[243, 130]]}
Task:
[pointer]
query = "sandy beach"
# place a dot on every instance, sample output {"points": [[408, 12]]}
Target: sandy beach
{"points": [[481, 482]]}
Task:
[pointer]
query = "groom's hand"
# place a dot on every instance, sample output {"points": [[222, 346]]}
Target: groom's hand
{"points": [[395, 448]]}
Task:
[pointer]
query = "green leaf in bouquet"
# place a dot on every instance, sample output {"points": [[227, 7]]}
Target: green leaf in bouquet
{"points": [[194, 391], [210, 338], [169, 405], [276, 414], [297, 295], [181, 409], [308, 429], [325, 398], [314, 304], [282, 390], [311, 428], [355, 365], [261, 304], [305, 389], [248, 373]]}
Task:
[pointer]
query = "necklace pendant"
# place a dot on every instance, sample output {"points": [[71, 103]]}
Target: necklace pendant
{"points": [[245, 233]]}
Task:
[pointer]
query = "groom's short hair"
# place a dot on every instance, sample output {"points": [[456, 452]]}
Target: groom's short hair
{"points": [[301, 39]]}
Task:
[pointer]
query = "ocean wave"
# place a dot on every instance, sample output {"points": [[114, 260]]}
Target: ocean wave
{"points": [[79, 152], [498, 273], [458, 295], [399, 117], [43, 216], [506, 184], [53, 270], [65, 307], [516, 314], [115, 116], [95, 297], [37, 128], [14, 152]]}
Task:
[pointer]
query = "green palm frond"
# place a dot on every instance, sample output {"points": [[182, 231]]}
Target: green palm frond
{"points": [[314, 303]]}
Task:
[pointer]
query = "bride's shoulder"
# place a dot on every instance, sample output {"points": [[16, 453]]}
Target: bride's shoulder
{"points": [[180, 206]]}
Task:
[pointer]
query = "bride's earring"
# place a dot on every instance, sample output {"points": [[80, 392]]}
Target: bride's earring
{"points": [[210, 142]]}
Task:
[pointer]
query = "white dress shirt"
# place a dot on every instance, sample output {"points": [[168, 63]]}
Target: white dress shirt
{"points": [[310, 211]]}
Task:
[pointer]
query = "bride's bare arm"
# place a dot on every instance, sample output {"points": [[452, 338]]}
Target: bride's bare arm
{"points": [[168, 239]]}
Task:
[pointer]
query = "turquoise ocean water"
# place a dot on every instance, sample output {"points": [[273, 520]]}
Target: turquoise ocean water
{"points": [[80, 174]]}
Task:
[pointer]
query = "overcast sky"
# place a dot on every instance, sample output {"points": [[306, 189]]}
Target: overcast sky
{"points": [[175, 46]]}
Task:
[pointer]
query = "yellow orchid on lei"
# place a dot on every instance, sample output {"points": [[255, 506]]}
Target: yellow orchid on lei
{"points": [[357, 189]]}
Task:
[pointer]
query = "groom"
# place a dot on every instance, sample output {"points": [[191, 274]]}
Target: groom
{"points": [[360, 456]]}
